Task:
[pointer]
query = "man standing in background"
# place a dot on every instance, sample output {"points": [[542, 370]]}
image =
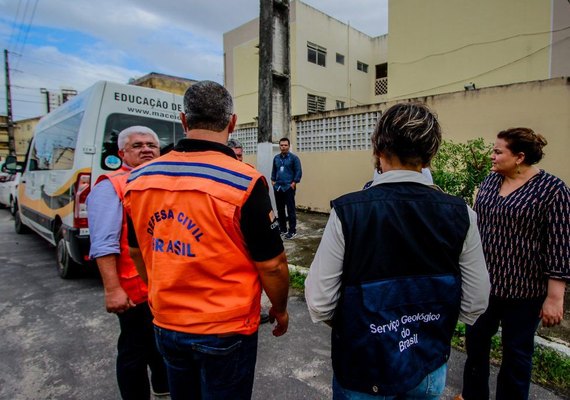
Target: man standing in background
{"points": [[285, 175], [125, 293]]}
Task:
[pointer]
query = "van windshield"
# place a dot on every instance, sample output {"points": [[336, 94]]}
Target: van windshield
{"points": [[169, 132]]}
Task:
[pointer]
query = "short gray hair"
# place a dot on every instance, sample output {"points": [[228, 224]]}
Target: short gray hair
{"points": [[234, 144], [208, 105], [135, 130]]}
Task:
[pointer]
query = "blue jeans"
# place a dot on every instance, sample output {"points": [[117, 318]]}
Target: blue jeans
{"points": [[519, 320], [430, 388], [284, 200], [136, 352], [208, 367]]}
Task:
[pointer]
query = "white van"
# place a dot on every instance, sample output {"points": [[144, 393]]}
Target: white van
{"points": [[71, 147]]}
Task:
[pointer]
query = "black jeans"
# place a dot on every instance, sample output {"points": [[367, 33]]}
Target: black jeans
{"points": [[284, 200], [137, 350], [519, 320]]}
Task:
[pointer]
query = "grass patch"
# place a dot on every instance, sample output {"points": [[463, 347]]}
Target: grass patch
{"points": [[297, 280], [550, 368]]}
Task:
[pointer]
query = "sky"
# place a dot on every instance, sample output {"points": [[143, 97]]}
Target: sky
{"points": [[63, 44]]}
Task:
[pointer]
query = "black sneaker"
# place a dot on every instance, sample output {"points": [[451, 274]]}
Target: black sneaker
{"points": [[263, 318], [291, 235]]}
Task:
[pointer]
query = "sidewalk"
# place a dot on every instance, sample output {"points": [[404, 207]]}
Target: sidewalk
{"points": [[297, 365]]}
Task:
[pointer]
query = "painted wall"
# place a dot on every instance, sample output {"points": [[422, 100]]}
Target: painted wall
{"points": [[439, 46], [560, 63], [334, 81], [540, 105]]}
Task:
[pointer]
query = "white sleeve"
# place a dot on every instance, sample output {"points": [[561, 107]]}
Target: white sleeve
{"points": [[475, 285], [322, 286]]}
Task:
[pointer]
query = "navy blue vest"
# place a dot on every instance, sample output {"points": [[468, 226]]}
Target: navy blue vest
{"points": [[401, 285]]}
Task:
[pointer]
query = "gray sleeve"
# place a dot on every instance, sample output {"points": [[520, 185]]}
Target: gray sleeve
{"points": [[322, 286], [475, 285]]}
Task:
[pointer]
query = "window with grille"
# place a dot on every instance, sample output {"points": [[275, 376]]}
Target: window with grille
{"points": [[315, 103], [362, 66], [339, 58], [339, 105], [316, 54], [341, 133]]}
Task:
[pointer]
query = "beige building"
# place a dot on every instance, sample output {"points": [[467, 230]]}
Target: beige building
{"points": [[444, 46], [3, 137], [333, 66], [433, 47], [336, 153], [168, 83], [23, 132]]}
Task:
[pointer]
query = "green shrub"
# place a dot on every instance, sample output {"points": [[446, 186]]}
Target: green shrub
{"points": [[459, 168]]}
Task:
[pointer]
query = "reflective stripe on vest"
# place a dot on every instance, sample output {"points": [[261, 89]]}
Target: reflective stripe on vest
{"points": [[186, 210]]}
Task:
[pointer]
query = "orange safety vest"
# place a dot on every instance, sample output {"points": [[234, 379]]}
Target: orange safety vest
{"points": [[129, 278], [186, 211]]}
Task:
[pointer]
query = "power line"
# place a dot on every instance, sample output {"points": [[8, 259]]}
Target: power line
{"points": [[478, 44], [14, 24], [27, 31], [404, 96]]}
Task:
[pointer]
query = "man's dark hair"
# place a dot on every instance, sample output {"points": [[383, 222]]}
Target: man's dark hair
{"points": [[285, 139], [207, 105], [409, 131]]}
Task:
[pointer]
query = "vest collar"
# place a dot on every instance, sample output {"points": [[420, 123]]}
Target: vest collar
{"points": [[190, 145]]}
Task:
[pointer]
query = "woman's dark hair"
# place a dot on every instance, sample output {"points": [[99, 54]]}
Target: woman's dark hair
{"points": [[524, 140], [409, 131]]}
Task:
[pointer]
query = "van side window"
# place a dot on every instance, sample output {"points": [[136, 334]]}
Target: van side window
{"points": [[54, 147], [169, 132]]}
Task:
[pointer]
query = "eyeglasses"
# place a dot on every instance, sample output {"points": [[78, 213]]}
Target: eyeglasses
{"points": [[140, 146]]}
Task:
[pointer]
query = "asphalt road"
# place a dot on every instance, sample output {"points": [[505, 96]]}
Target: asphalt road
{"points": [[57, 341]]}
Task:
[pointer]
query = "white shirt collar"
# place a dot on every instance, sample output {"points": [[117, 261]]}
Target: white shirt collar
{"points": [[401, 175]]}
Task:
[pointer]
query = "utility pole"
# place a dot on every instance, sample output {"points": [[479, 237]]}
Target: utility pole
{"points": [[11, 141], [46, 92], [274, 101]]}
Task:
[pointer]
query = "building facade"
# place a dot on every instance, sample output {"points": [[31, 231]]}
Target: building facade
{"points": [[447, 46], [333, 66], [434, 47], [167, 83]]}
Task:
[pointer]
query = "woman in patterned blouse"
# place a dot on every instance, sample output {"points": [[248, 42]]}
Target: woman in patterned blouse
{"points": [[524, 220]]}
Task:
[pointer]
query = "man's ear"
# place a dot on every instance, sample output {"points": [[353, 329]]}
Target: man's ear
{"points": [[184, 122], [121, 154], [232, 124]]}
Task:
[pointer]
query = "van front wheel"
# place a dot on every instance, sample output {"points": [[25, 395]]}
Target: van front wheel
{"points": [[66, 267]]}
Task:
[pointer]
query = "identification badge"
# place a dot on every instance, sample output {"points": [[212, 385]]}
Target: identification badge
{"points": [[282, 168]]}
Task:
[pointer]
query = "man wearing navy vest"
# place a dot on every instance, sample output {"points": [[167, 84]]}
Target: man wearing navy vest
{"points": [[397, 265]]}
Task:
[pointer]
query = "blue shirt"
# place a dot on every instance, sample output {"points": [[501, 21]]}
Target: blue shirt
{"points": [[105, 214], [286, 170]]}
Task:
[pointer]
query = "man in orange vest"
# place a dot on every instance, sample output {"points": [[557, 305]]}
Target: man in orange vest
{"points": [[125, 292], [203, 226]]}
